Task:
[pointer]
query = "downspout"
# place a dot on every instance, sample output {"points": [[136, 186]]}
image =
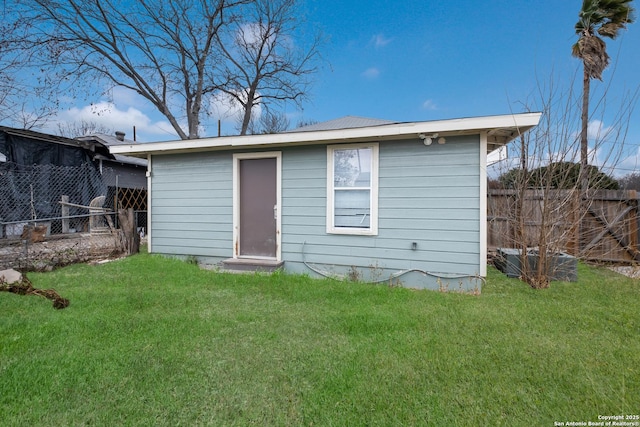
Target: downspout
{"points": [[483, 204], [149, 246]]}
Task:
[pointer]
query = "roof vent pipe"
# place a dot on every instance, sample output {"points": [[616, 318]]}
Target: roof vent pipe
{"points": [[120, 135]]}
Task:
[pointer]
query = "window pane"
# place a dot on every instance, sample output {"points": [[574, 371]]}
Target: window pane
{"points": [[352, 168], [352, 208]]}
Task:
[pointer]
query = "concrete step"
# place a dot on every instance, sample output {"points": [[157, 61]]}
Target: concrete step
{"points": [[252, 264]]}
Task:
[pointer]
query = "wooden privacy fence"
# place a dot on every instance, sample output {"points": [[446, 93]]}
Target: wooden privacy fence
{"points": [[609, 230]]}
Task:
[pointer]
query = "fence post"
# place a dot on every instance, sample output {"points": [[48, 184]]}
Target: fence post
{"points": [[65, 214], [572, 245], [632, 198], [129, 238]]}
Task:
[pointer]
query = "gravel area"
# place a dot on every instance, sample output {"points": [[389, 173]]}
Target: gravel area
{"points": [[632, 271]]}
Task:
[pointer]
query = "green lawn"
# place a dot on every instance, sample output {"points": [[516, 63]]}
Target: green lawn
{"points": [[154, 341]]}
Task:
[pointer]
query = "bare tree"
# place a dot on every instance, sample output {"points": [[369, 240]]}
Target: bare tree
{"points": [[630, 181], [9, 61], [163, 50], [273, 122], [82, 128], [18, 82], [268, 122], [306, 122], [263, 63], [541, 205], [178, 54]]}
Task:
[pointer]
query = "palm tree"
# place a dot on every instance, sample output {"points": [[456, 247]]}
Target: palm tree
{"points": [[597, 18]]}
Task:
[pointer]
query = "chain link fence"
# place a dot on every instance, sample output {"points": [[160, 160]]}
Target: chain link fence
{"points": [[57, 215]]}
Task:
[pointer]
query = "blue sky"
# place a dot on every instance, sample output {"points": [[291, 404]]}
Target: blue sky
{"points": [[424, 60], [427, 60]]}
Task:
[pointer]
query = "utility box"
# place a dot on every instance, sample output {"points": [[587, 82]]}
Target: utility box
{"points": [[561, 266]]}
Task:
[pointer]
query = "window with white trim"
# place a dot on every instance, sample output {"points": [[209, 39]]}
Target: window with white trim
{"points": [[352, 189]]}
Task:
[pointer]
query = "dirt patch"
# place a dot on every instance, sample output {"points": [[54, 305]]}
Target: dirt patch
{"points": [[25, 287]]}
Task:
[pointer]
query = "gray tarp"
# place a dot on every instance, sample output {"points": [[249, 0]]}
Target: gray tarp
{"points": [[37, 173]]}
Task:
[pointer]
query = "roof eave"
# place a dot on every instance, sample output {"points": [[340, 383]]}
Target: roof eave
{"points": [[500, 130]]}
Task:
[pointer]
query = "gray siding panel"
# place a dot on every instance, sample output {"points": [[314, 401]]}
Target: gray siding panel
{"points": [[427, 194], [191, 211], [431, 212]]}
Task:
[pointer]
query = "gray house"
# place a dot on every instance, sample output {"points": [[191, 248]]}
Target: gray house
{"points": [[401, 203]]}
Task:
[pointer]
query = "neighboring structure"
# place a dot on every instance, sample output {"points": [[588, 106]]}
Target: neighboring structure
{"points": [[124, 176], [27, 148], [125, 171], [403, 203], [37, 169]]}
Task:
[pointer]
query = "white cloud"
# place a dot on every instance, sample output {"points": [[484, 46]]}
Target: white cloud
{"points": [[251, 33], [258, 38], [429, 104], [619, 160], [597, 131], [629, 164], [371, 73], [226, 108], [379, 41], [109, 115], [124, 96], [609, 151]]}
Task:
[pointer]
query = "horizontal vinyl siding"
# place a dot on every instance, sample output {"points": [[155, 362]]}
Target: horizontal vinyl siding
{"points": [[427, 194], [191, 212], [304, 191], [430, 195]]}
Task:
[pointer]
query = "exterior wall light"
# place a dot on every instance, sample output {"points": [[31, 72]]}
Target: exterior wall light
{"points": [[428, 139]]}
